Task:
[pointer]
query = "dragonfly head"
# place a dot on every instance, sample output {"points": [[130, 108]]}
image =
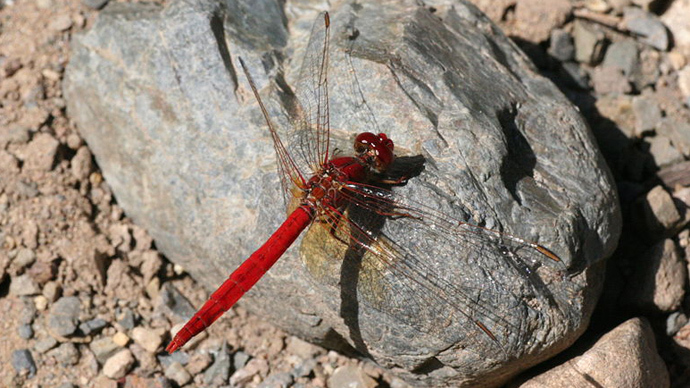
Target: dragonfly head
{"points": [[375, 150]]}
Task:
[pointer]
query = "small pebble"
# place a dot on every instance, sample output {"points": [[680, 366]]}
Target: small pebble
{"points": [[652, 30], [45, 344], [25, 257], [178, 373], [198, 363], [50, 75], [240, 359], [610, 80], [301, 348], [120, 339], [150, 265], [126, 319], [658, 283], [623, 55], [166, 359], [8, 163], [81, 163], [16, 134], [589, 43], [178, 269], [350, 376], [63, 317], [684, 81], [255, 367], [28, 313], [60, 23], [92, 326], [41, 302], [647, 114], [11, 67], [26, 189], [103, 348], [660, 210], [23, 363], [172, 299], [119, 364], [662, 151], [146, 362], [74, 141], [25, 331], [561, 45], [304, 369], [219, 372], [278, 380], [677, 131], [149, 339], [41, 152], [66, 354], [648, 71], [24, 285], [674, 322], [51, 291]]}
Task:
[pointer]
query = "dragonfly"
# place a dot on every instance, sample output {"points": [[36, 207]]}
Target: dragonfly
{"points": [[345, 202]]}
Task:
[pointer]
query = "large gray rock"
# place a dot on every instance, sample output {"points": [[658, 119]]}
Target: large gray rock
{"points": [[159, 97]]}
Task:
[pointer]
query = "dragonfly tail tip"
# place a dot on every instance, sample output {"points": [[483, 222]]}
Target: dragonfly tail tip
{"points": [[172, 347]]}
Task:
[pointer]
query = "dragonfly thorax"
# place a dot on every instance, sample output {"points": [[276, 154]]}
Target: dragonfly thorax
{"points": [[323, 189]]}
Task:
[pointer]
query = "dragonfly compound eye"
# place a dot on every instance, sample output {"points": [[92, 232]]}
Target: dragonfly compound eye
{"points": [[378, 147]]}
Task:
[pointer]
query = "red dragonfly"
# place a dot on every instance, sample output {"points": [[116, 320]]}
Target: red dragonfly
{"points": [[347, 198]]}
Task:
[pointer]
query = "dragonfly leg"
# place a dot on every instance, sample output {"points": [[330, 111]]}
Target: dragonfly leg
{"points": [[336, 218], [333, 219], [395, 182]]}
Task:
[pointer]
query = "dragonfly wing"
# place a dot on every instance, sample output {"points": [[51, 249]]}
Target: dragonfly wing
{"points": [[289, 172], [310, 115], [458, 281]]}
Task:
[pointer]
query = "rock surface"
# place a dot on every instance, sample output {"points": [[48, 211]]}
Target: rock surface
{"points": [[630, 353], [161, 103]]}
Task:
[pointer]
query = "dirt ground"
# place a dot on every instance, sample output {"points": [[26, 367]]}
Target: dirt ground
{"points": [[78, 279]]}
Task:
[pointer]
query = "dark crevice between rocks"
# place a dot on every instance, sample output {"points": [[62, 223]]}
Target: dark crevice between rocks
{"points": [[428, 366], [5, 286], [218, 30], [333, 340], [520, 161]]}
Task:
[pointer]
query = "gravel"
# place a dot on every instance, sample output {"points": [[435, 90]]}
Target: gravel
{"points": [[63, 318], [23, 362]]}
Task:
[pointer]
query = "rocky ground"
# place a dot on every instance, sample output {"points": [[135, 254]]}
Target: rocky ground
{"points": [[87, 301]]}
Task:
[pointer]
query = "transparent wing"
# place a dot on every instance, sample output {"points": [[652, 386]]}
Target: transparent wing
{"points": [[290, 174], [310, 139], [434, 273], [358, 111]]}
